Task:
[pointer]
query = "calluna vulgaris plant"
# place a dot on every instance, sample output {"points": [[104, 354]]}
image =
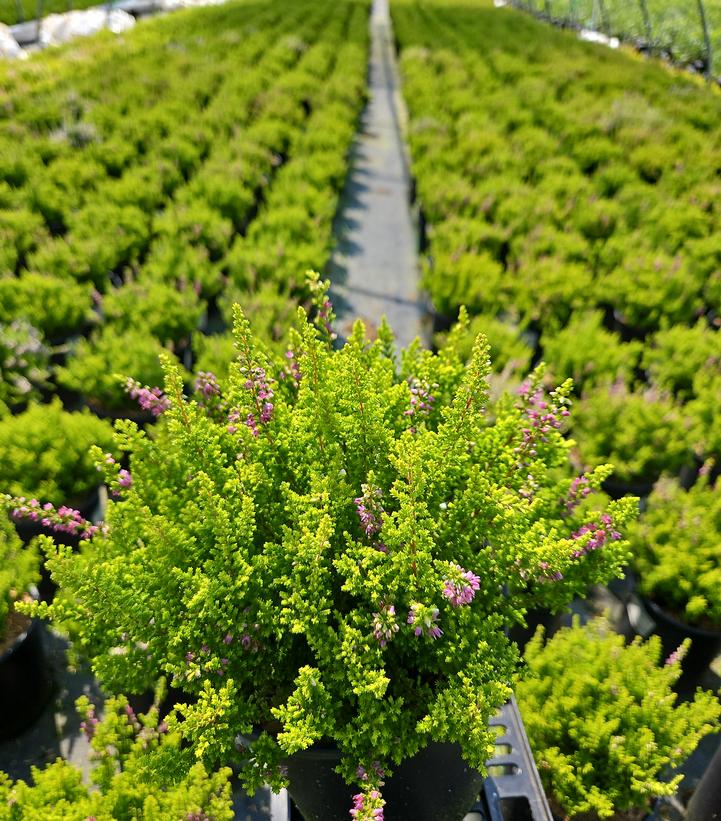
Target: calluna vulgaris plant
{"points": [[139, 771], [602, 718], [329, 546], [676, 550]]}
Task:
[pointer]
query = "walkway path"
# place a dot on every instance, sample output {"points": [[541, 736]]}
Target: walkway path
{"points": [[374, 270]]}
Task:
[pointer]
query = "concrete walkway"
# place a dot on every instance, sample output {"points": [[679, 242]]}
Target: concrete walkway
{"points": [[374, 270]]}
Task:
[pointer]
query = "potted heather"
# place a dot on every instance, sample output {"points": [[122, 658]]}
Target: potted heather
{"points": [[56, 305], [44, 454], [604, 723], [168, 313], [96, 365], [642, 433], [138, 770], [590, 354], [24, 680], [677, 563], [324, 551]]}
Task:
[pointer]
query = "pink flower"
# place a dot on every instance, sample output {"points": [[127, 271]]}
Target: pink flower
{"points": [[461, 587]]}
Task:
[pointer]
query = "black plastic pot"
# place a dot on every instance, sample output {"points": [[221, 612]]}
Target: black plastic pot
{"points": [[535, 618], [705, 644], [25, 682], [134, 413], [434, 785]]}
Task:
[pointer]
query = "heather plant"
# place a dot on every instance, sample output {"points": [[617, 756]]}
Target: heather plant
{"points": [[327, 546], [168, 313], [97, 365], [603, 721], [45, 453], [648, 288], [589, 353], [19, 570], [138, 771], [676, 550], [677, 355], [214, 353], [24, 363], [704, 411], [509, 348], [642, 433], [57, 306]]}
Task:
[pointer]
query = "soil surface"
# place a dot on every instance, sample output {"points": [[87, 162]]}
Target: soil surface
{"points": [[15, 625]]}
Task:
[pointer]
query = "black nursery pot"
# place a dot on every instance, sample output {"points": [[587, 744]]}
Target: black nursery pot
{"points": [[705, 644], [25, 682], [434, 785]]}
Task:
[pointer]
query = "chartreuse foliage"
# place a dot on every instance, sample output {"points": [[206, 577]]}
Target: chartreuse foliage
{"points": [[571, 193], [603, 721], [643, 434], [203, 168], [140, 771], [45, 453], [676, 551], [19, 569], [331, 543]]}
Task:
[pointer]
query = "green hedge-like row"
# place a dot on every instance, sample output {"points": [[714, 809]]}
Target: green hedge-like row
{"points": [[572, 201], [148, 182]]}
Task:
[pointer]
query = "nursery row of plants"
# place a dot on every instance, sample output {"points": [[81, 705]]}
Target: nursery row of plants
{"points": [[571, 204], [317, 545], [143, 198], [670, 27], [569, 200]]}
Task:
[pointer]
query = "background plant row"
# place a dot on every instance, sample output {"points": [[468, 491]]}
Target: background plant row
{"points": [[148, 183], [571, 199]]}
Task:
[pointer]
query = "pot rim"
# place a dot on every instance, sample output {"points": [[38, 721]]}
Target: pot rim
{"points": [[702, 632]]}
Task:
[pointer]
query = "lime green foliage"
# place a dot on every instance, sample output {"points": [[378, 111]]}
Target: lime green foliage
{"points": [[676, 551], [19, 569], [678, 355], [45, 453], [98, 365], [571, 191], [602, 718], [643, 434], [509, 349], [9, 8], [198, 155], [323, 540], [139, 772], [590, 354], [214, 354], [24, 363], [56, 305], [704, 409], [167, 313]]}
